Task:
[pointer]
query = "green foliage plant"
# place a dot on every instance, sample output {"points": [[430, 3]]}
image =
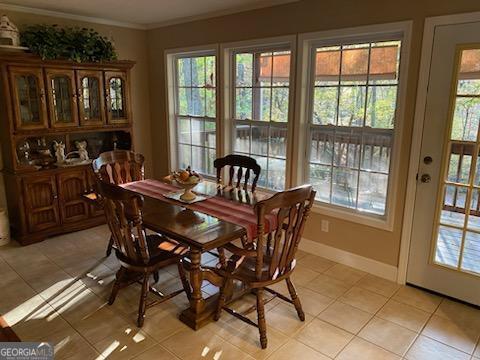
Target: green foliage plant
{"points": [[71, 43]]}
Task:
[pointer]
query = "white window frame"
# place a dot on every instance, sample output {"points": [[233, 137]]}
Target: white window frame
{"points": [[227, 83], [171, 55], [400, 31]]}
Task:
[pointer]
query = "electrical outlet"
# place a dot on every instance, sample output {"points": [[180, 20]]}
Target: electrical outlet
{"points": [[325, 225]]}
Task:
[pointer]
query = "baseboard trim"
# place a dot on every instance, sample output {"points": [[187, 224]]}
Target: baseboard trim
{"points": [[371, 266]]}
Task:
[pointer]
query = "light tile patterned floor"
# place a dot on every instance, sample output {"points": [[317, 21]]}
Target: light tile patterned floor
{"points": [[56, 291]]}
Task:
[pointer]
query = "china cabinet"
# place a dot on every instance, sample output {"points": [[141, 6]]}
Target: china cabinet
{"points": [[47, 103]]}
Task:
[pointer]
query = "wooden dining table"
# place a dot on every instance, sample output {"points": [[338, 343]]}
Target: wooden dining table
{"points": [[201, 233]]}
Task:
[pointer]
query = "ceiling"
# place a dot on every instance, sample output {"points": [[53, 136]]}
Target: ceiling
{"points": [[138, 13]]}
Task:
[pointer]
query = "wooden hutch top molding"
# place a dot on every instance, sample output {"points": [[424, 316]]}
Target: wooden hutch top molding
{"points": [[25, 59]]}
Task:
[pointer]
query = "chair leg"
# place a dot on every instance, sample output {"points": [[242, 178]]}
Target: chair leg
{"points": [[116, 285], [222, 296], [110, 246], [143, 301], [262, 326], [156, 276], [183, 278], [222, 258], [295, 299]]}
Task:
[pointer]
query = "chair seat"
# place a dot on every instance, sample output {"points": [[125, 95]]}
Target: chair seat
{"points": [[161, 250], [243, 269]]}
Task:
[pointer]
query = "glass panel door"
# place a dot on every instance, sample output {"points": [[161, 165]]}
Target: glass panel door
{"points": [[457, 237], [116, 98], [29, 96], [118, 108], [90, 90], [444, 252], [62, 98]]}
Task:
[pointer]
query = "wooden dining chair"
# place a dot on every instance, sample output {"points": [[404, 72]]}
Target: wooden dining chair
{"points": [[271, 257], [118, 167], [140, 255], [240, 167], [244, 167]]}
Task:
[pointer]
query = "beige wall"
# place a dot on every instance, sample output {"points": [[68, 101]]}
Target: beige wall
{"points": [[307, 16], [131, 44]]}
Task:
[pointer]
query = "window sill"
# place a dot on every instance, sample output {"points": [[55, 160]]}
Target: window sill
{"points": [[378, 222]]}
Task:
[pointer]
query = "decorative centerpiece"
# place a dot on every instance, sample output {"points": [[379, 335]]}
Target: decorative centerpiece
{"points": [[186, 179]]}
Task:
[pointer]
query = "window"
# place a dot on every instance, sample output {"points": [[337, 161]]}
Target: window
{"points": [[343, 135], [261, 111], [351, 123], [195, 112]]}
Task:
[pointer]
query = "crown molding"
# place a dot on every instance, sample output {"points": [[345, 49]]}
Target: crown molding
{"points": [[64, 15], [213, 14], [182, 20]]}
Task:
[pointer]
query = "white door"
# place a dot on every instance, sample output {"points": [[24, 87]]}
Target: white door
{"points": [[445, 246]]}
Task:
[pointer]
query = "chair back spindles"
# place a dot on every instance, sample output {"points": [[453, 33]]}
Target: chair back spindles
{"points": [[244, 165], [239, 176], [123, 210], [231, 171], [291, 209], [119, 166]]}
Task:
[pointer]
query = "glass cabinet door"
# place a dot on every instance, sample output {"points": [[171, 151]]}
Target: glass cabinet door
{"points": [[29, 98], [62, 98], [91, 105], [117, 97]]}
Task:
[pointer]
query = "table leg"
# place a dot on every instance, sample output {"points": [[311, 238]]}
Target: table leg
{"points": [[197, 303], [201, 310], [195, 316]]}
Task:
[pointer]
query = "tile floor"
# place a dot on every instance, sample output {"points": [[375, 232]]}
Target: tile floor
{"points": [[56, 291]]}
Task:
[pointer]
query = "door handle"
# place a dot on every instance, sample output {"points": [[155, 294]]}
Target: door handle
{"points": [[425, 178]]}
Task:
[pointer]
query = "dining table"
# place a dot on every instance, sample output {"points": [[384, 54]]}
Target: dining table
{"points": [[196, 227]]}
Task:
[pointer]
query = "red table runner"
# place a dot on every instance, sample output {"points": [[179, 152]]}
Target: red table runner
{"points": [[221, 208]]}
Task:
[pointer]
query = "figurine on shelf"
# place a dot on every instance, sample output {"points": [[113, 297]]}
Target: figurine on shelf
{"points": [[9, 34], [115, 141], [59, 151], [82, 149], [25, 152]]}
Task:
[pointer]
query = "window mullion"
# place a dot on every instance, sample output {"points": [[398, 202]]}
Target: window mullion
{"points": [[362, 145], [337, 114]]}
